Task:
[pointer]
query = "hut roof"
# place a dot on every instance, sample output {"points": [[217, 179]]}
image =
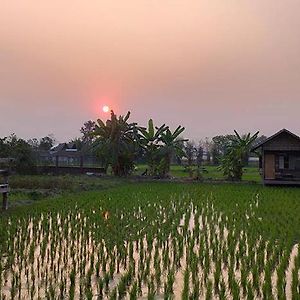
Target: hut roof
{"points": [[255, 147]]}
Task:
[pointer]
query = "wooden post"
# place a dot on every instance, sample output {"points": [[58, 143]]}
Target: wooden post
{"points": [[5, 201], [5, 195]]}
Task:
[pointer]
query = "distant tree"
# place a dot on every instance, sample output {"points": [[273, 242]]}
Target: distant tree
{"points": [[34, 143], [199, 161], [207, 147], [234, 160], [219, 146], [47, 142], [4, 148], [87, 131], [115, 142], [259, 140], [177, 159], [199, 154], [215, 155], [21, 151], [190, 151], [78, 143]]}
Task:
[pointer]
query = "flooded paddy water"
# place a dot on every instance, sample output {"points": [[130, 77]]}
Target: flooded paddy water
{"points": [[155, 241]]}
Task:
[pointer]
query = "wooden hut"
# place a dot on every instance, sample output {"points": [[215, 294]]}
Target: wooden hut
{"points": [[280, 158]]}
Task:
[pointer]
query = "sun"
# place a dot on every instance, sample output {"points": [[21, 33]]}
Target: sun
{"points": [[105, 108]]}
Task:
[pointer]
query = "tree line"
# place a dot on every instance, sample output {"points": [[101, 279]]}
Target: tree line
{"points": [[120, 144]]}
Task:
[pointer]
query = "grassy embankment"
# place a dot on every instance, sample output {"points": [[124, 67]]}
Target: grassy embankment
{"points": [[26, 189]]}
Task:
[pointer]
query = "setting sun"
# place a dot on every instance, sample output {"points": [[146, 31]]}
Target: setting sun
{"points": [[105, 108]]}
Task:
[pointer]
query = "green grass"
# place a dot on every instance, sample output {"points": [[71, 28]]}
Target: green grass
{"points": [[26, 189], [209, 173]]}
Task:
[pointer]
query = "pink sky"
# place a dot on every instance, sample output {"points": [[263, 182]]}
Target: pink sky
{"points": [[212, 66]]}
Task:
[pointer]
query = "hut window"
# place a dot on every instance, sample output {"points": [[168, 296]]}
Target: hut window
{"points": [[283, 162]]}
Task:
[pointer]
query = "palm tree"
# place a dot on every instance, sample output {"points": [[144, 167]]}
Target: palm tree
{"points": [[238, 150], [115, 143]]}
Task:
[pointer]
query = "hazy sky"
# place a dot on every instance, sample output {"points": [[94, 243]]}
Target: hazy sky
{"points": [[212, 66]]}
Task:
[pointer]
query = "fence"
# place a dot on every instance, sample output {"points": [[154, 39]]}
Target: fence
{"points": [[68, 162]]}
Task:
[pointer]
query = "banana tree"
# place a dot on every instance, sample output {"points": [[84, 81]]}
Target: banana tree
{"points": [[115, 143], [233, 162], [172, 145], [149, 140]]}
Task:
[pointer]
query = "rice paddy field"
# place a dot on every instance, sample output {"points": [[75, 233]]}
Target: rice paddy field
{"points": [[155, 241]]}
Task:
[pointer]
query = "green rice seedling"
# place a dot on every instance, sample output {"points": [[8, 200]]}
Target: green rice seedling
{"points": [[32, 292], [217, 276], [81, 288], [100, 284], [113, 294], [250, 293], [186, 280], [122, 286], [51, 292], [133, 294], [158, 274], [295, 278], [169, 284], [106, 279], [111, 269], [235, 290], [72, 284], [222, 290], [151, 289], [209, 290], [195, 294], [97, 268], [62, 289], [255, 275], [147, 269], [267, 286], [13, 290], [139, 286], [88, 293], [194, 267], [244, 279]]}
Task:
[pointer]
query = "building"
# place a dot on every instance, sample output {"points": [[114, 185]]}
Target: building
{"points": [[280, 158], [66, 158], [66, 154]]}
